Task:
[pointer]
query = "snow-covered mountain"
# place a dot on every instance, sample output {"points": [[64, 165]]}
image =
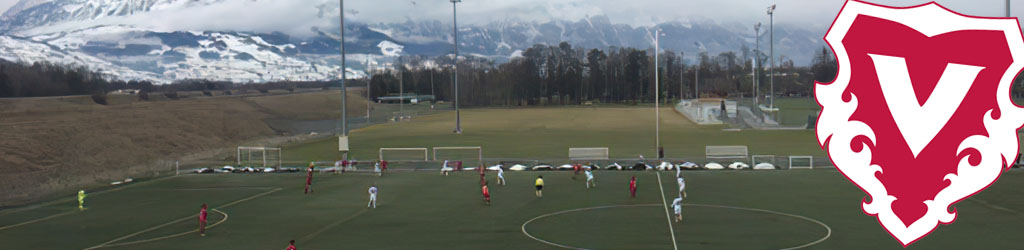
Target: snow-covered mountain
{"points": [[79, 32]]}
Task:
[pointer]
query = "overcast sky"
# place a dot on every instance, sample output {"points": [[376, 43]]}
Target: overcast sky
{"points": [[814, 14]]}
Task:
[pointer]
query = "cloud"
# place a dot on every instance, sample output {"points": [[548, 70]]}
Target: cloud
{"points": [[299, 17]]}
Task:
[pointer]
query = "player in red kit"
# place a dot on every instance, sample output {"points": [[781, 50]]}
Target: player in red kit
{"points": [[487, 193], [202, 220], [632, 187], [576, 170], [309, 179], [291, 245], [383, 167]]}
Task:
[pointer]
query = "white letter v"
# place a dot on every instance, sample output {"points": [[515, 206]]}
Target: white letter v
{"points": [[920, 123]]}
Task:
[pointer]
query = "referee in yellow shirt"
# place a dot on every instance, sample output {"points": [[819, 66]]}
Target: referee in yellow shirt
{"points": [[540, 186]]}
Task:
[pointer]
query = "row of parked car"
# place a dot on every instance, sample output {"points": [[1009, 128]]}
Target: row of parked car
{"points": [[230, 169], [640, 166], [520, 167]]}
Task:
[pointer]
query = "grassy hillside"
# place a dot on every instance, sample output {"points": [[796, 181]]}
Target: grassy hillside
{"points": [[58, 144]]}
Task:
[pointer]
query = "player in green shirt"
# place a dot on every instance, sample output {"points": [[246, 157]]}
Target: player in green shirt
{"points": [[81, 199]]}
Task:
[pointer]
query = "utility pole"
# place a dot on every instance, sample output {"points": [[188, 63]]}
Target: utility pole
{"points": [[455, 68]]}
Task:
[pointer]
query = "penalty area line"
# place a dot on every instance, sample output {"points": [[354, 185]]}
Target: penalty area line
{"points": [[36, 220], [668, 217], [173, 235], [105, 244]]}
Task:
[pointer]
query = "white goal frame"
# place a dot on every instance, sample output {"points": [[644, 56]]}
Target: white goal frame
{"points": [[380, 153], [581, 156], [754, 162], [726, 152], [261, 152], [479, 152], [810, 161]]}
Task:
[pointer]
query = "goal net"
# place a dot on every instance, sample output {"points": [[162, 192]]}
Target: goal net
{"points": [[801, 162], [758, 159], [258, 157], [736, 153], [588, 154], [402, 154], [469, 156]]}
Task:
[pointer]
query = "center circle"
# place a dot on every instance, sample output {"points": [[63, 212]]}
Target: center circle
{"points": [[642, 226]]}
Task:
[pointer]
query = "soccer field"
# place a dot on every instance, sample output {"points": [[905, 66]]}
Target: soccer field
{"points": [[423, 210], [548, 133]]}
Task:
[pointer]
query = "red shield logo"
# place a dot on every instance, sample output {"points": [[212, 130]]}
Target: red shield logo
{"points": [[919, 115]]}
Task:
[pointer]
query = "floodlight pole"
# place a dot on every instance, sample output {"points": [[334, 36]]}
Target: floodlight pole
{"points": [[341, 39], [657, 115], [369, 78], [771, 42], [1007, 8], [455, 67], [401, 92], [757, 59]]}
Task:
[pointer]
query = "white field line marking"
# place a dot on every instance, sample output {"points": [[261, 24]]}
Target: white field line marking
{"points": [[523, 228], [179, 220], [827, 228], [37, 220], [332, 225], [173, 235], [668, 217], [68, 199]]}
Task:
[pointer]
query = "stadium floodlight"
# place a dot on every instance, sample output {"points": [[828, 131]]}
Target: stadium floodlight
{"points": [[455, 68], [771, 57]]}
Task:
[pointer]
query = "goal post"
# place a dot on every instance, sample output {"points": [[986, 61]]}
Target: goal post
{"points": [[258, 157], [402, 154], [592, 153], [801, 162], [758, 159], [726, 152], [469, 155]]}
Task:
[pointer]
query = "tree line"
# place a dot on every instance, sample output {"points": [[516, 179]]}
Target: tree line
{"points": [[564, 75]]}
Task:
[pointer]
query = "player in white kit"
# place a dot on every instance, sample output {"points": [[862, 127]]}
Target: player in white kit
{"points": [[682, 186], [373, 196], [677, 206], [590, 179], [501, 176]]}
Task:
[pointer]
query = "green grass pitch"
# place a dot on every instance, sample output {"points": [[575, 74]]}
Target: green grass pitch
{"points": [[423, 210]]}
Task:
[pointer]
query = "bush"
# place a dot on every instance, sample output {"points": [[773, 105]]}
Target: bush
{"points": [[264, 90], [207, 93], [227, 92], [143, 95], [173, 95], [99, 98]]}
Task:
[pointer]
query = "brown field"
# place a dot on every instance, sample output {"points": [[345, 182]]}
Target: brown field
{"points": [[51, 146]]}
